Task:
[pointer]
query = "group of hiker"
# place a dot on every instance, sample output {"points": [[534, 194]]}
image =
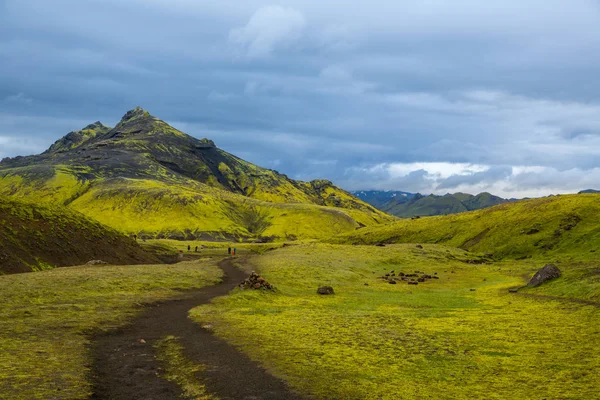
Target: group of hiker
{"points": [[230, 251]]}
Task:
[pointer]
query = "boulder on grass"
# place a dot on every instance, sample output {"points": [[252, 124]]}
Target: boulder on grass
{"points": [[325, 290], [96, 262], [549, 272]]}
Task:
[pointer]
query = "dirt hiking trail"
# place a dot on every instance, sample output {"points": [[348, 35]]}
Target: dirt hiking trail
{"points": [[126, 369]]}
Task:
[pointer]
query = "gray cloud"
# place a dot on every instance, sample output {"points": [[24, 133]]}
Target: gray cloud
{"points": [[491, 175], [497, 83]]}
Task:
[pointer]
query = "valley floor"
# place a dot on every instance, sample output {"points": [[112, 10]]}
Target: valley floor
{"points": [[47, 319], [463, 336], [457, 337]]}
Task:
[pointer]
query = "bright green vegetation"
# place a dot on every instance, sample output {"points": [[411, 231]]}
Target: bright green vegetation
{"points": [[46, 320], [39, 237], [438, 340], [153, 209], [580, 281], [559, 227], [147, 178], [180, 370]]}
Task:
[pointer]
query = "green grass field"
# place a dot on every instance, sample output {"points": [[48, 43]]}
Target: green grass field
{"points": [[564, 227], [47, 319], [460, 337]]}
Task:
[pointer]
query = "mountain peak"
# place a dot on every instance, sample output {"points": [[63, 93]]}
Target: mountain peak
{"points": [[95, 126], [137, 112]]}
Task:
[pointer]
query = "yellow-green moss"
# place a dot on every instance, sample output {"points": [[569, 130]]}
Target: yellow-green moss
{"points": [[561, 226], [181, 370], [46, 319], [460, 337]]}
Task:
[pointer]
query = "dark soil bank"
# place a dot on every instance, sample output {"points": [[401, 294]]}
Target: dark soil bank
{"points": [[126, 369]]}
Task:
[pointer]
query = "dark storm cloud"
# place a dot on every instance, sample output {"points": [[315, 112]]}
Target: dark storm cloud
{"points": [[317, 89]]}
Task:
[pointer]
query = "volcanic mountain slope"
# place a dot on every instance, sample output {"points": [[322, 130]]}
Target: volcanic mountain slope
{"points": [[34, 237], [565, 225], [146, 177]]}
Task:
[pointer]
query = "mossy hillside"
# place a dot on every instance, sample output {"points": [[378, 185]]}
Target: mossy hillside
{"points": [[154, 209], [440, 339], [557, 227], [142, 147], [46, 320], [47, 184], [580, 280], [35, 237]]}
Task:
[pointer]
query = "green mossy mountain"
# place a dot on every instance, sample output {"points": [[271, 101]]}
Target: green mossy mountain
{"points": [[419, 205], [145, 177], [555, 226], [35, 237]]}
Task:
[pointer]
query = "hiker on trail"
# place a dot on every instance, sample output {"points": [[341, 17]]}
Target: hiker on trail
{"points": [[196, 249], [188, 247], [234, 250], [229, 250]]}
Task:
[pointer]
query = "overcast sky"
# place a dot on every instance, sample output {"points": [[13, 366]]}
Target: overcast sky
{"points": [[423, 95]]}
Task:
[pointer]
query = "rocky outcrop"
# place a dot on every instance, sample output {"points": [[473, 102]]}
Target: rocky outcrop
{"points": [[549, 272], [325, 290]]}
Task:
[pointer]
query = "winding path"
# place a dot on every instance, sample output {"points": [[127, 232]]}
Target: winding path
{"points": [[126, 369]]}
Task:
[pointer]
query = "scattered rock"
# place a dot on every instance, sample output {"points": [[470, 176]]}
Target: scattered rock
{"points": [[325, 290], [142, 341], [419, 246], [513, 290], [379, 244], [533, 230], [550, 271], [366, 284], [413, 279], [256, 282], [472, 290], [96, 262]]}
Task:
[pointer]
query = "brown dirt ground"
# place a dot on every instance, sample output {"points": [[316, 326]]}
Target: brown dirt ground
{"points": [[125, 369]]}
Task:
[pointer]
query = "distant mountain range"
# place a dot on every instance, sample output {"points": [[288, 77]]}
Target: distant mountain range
{"points": [[406, 205]]}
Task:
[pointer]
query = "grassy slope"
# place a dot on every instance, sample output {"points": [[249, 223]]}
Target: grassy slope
{"points": [[561, 226], [34, 237], [436, 340], [152, 207], [46, 319]]}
